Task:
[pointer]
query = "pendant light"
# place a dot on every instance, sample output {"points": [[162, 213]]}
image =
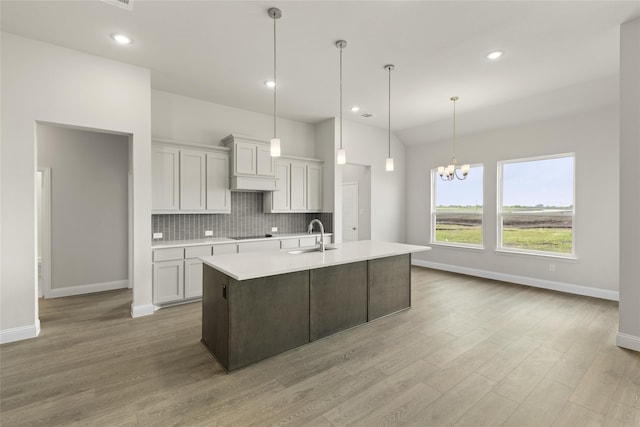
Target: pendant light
{"points": [[275, 14], [389, 162], [450, 172], [341, 155]]}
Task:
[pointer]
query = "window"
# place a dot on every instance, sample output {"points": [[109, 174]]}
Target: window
{"points": [[456, 209], [535, 205]]}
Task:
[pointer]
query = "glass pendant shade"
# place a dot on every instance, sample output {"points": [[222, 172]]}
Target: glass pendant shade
{"points": [[389, 164], [275, 147], [465, 169], [341, 156]]}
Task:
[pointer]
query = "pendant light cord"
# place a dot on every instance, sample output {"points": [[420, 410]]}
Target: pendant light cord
{"points": [[389, 68], [341, 98], [454, 99], [275, 82]]}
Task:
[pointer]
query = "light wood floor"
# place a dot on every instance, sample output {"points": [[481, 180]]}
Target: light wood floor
{"points": [[471, 352]]}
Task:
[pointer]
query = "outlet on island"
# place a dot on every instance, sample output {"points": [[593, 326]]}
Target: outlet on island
{"points": [[208, 233], [274, 229]]}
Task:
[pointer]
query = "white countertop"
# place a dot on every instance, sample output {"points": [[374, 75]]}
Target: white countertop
{"points": [[252, 265], [222, 240]]}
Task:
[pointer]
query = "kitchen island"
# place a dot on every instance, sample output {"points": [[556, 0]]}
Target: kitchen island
{"points": [[257, 305]]}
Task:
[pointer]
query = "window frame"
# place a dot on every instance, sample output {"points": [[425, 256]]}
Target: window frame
{"points": [[500, 214], [432, 241]]}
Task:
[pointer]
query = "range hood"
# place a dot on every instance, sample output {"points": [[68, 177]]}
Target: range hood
{"points": [[252, 167]]}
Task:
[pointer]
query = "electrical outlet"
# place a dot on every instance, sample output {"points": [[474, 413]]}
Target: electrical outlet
{"points": [[157, 235], [552, 267], [208, 233], [274, 229]]}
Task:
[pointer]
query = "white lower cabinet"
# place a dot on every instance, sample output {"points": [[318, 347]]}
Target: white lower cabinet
{"points": [[168, 279], [177, 273], [192, 278]]}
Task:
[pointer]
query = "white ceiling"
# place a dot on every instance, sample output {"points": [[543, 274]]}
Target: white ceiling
{"points": [[560, 57]]}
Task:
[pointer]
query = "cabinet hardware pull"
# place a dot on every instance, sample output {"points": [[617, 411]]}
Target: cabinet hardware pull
{"points": [[224, 291]]}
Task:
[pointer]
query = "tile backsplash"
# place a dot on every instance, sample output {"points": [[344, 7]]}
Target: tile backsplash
{"points": [[246, 219]]}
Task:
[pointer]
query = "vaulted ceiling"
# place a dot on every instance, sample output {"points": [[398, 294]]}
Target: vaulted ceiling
{"points": [[559, 57]]}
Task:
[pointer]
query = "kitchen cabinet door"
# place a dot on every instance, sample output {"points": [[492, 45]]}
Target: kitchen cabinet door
{"points": [[314, 187], [168, 281], [298, 186], [265, 163], [280, 200], [165, 178], [218, 193], [192, 278], [244, 156], [192, 180]]}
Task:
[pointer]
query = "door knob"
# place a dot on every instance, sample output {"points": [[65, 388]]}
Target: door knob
{"points": [[354, 228]]}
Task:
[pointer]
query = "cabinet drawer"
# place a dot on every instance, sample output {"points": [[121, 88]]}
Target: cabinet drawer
{"points": [[268, 245], [168, 254], [227, 248], [197, 251], [308, 241], [289, 243]]}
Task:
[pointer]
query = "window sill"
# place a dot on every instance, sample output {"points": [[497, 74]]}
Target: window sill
{"points": [[559, 257], [457, 246]]}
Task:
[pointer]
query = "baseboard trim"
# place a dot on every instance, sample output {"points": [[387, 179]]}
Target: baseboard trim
{"points": [[20, 333], [88, 289], [142, 310], [627, 341], [522, 280]]}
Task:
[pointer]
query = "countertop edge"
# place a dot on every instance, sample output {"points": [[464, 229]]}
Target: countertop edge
{"points": [[225, 240], [406, 250]]}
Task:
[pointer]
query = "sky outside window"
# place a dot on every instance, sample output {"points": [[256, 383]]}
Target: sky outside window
{"points": [[460, 193], [547, 182]]}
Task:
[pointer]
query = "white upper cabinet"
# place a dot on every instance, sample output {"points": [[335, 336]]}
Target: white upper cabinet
{"points": [[246, 158], [314, 187], [165, 168], [265, 163], [280, 200], [299, 186], [190, 178], [218, 193], [252, 167]]}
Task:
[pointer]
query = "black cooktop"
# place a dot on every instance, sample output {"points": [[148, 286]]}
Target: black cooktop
{"points": [[257, 236]]}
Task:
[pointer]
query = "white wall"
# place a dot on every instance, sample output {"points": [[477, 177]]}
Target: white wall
{"points": [[361, 175], [89, 208], [366, 145], [43, 82], [629, 329], [192, 120], [593, 137]]}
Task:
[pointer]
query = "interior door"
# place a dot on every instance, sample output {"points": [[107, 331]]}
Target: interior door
{"points": [[349, 211]]}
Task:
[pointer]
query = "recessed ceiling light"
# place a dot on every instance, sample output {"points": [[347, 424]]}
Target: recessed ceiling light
{"points": [[355, 109], [121, 38], [494, 55], [270, 84]]}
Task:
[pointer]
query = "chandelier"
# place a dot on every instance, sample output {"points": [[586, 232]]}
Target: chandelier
{"points": [[450, 172]]}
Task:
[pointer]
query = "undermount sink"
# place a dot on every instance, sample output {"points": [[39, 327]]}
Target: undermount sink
{"points": [[314, 249]]}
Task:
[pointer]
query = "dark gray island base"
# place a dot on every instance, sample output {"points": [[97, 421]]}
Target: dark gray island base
{"points": [[244, 321]]}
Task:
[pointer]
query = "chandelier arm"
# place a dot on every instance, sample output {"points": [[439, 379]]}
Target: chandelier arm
{"points": [[458, 176]]}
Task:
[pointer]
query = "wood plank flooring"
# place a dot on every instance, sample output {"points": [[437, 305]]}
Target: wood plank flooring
{"points": [[471, 352]]}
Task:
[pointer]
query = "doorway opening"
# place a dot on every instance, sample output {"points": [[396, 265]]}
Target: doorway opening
{"points": [[356, 202], [84, 210]]}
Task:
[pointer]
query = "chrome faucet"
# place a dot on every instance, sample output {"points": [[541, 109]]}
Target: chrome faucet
{"points": [[310, 230]]}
